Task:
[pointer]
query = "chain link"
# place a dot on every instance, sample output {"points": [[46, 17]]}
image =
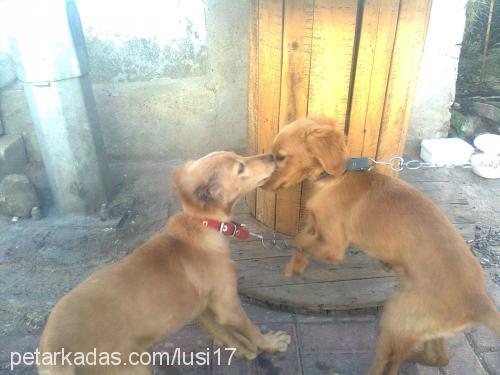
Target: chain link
{"points": [[397, 164], [274, 242]]}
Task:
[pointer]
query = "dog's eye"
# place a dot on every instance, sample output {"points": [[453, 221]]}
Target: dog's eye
{"points": [[280, 157], [241, 169]]}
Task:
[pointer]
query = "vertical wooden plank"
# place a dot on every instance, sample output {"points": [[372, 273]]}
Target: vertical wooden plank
{"points": [[334, 32], [297, 35], [407, 54], [297, 39], [378, 30], [253, 90], [269, 62], [332, 50]]}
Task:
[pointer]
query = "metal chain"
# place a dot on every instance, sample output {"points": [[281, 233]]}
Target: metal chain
{"points": [[398, 163], [273, 241]]}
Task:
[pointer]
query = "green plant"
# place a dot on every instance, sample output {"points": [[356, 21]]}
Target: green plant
{"points": [[457, 122]]}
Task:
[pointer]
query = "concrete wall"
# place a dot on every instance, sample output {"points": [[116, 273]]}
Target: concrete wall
{"points": [[170, 77], [435, 92]]}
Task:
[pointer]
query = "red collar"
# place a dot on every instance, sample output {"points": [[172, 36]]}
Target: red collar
{"points": [[232, 228]]}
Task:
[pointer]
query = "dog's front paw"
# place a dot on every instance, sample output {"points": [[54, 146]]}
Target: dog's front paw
{"points": [[293, 269], [276, 341], [297, 264]]}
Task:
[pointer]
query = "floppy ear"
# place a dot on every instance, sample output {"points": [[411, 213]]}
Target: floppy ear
{"points": [[209, 192], [328, 146], [194, 189]]}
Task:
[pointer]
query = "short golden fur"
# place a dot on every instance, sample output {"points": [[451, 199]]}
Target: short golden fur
{"points": [[184, 273], [441, 289]]}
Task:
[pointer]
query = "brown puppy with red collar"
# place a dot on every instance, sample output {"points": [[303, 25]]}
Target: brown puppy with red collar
{"points": [[441, 287], [184, 273]]}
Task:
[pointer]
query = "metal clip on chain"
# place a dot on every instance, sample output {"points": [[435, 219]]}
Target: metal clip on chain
{"points": [[396, 163], [274, 242]]}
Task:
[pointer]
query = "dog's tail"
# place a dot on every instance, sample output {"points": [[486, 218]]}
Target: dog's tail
{"points": [[489, 316]]}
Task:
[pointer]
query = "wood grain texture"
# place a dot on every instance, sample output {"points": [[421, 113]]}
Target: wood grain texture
{"points": [[297, 39], [332, 52], [302, 54], [269, 62], [253, 90], [326, 297], [407, 54], [331, 59], [378, 29], [268, 271]]}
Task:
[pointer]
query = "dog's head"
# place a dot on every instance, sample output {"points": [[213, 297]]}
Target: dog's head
{"points": [[303, 150], [212, 185]]}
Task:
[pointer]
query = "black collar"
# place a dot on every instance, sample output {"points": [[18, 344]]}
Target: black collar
{"points": [[358, 164], [351, 165]]}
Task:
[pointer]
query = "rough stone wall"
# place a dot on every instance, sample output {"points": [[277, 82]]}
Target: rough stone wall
{"points": [[130, 41], [435, 92]]}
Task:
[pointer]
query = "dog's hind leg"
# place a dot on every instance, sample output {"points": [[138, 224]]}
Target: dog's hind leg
{"points": [[401, 328], [391, 351], [434, 353], [225, 336]]}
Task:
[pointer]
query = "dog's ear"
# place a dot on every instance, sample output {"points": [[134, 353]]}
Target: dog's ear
{"points": [[210, 191], [194, 188], [328, 146]]}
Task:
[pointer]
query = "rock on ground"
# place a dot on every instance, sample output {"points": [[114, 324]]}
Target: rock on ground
{"points": [[17, 196]]}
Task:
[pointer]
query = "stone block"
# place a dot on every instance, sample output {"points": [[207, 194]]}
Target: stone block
{"points": [[337, 363], [484, 339], [355, 337], [492, 361], [463, 360], [12, 155], [259, 314]]}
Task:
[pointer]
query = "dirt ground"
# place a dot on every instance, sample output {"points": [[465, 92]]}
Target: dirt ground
{"points": [[42, 260]]}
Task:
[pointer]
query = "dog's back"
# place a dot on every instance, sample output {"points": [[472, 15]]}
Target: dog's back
{"points": [[394, 222]]}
